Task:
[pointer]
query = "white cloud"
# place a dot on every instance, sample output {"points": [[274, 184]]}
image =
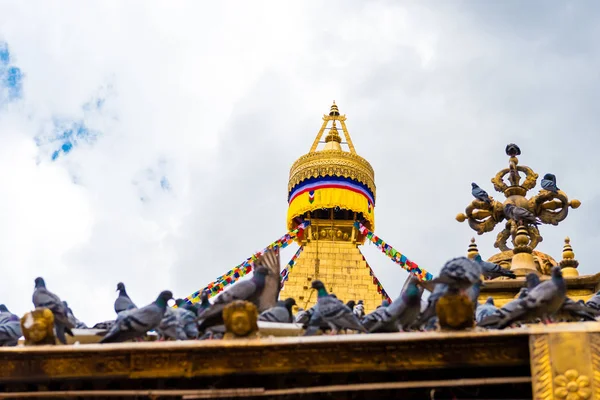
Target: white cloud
{"points": [[222, 100]]}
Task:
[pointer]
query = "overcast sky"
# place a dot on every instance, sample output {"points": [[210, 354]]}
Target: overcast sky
{"points": [[150, 143]]}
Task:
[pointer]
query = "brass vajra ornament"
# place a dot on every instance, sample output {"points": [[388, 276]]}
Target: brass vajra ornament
{"points": [[241, 320], [549, 207], [38, 327]]}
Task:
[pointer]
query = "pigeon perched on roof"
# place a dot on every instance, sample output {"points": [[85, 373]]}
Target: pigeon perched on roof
{"points": [[594, 301], [123, 301], [492, 321], [182, 303], [204, 304], [549, 183], [479, 193], [492, 271], [248, 290], [512, 150], [77, 323], [401, 314], [520, 215], [170, 327], [282, 312], [359, 309], [135, 322], [333, 312], [572, 310], [532, 280], [543, 301], [459, 274], [303, 316], [484, 310], [384, 303], [187, 322], [10, 327], [43, 298]]}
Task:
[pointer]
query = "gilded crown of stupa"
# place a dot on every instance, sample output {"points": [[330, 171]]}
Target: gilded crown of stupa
{"points": [[548, 207], [342, 167]]}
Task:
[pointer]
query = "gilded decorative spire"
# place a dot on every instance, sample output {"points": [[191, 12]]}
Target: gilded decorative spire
{"points": [[334, 112], [523, 261], [333, 139], [473, 250], [517, 213], [568, 263]]}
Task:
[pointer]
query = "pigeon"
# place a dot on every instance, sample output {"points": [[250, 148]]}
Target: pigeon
{"points": [[282, 312], [549, 183], [77, 323], [187, 322], [204, 304], [303, 316], [359, 309], [594, 301], [181, 303], [480, 194], [213, 333], [10, 328], [459, 274], [491, 270], [170, 327], [575, 311], [334, 312], [135, 322], [542, 301], [384, 303], [351, 304], [314, 324], [512, 150], [248, 290], [401, 314], [520, 215], [123, 301], [43, 298], [532, 280], [492, 321], [484, 310]]}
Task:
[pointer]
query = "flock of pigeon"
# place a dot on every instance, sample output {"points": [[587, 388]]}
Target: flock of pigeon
{"points": [[539, 301], [460, 276]]}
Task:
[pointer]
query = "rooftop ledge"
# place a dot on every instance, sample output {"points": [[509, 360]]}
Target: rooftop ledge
{"points": [[279, 355]]}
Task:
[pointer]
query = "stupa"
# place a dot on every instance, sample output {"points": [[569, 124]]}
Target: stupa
{"points": [[332, 187]]}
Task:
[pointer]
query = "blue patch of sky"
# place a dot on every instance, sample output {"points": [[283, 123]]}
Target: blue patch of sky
{"points": [[11, 77]]}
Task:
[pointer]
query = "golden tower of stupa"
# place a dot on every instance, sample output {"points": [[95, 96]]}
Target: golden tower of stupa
{"points": [[332, 188]]}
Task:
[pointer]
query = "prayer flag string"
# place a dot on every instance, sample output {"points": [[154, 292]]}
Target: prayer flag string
{"points": [[394, 254], [243, 269], [288, 268]]}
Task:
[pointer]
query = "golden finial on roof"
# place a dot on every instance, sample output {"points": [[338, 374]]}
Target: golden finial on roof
{"points": [[473, 250], [523, 261], [334, 112], [548, 206], [568, 263], [333, 135]]}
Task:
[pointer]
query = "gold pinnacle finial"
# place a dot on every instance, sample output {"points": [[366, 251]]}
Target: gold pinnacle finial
{"points": [[334, 111], [473, 250], [568, 263], [333, 135]]}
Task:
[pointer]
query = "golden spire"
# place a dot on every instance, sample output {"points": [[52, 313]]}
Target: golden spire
{"points": [[568, 263], [523, 261], [473, 250], [333, 140]]}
